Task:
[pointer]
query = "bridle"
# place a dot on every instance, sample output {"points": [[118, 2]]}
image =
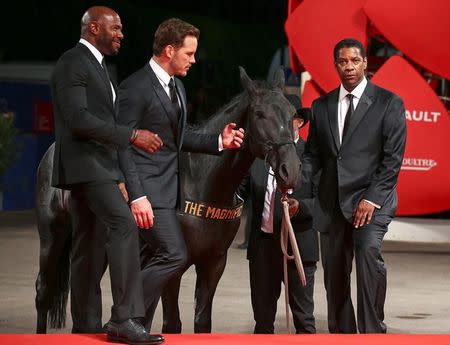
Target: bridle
{"points": [[271, 146]]}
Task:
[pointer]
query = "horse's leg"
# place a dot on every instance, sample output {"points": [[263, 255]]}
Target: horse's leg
{"points": [[171, 311], [208, 276], [52, 283]]}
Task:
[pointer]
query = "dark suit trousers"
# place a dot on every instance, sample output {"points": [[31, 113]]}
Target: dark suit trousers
{"points": [[337, 249], [118, 236], [165, 257], [266, 276]]}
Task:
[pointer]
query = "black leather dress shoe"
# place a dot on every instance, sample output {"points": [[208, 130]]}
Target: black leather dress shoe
{"points": [[105, 327], [131, 332]]}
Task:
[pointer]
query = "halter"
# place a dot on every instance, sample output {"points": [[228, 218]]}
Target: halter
{"points": [[271, 146]]}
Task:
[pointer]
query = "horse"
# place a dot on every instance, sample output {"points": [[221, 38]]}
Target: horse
{"points": [[210, 209], [53, 221]]}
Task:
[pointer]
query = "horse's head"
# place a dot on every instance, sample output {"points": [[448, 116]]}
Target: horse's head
{"points": [[269, 131]]}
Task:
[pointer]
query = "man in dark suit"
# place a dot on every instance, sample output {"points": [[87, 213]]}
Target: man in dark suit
{"points": [[152, 98], [85, 162], [357, 137], [264, 250]]}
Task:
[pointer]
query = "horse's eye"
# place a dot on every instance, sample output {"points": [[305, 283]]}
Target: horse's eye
{"points": [[259, 114]]}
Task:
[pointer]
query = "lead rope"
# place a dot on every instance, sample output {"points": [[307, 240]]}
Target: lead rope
{"points": [[287, 233]]}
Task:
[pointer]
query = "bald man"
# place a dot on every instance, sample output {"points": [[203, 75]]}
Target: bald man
{"points": [[85, 162]]}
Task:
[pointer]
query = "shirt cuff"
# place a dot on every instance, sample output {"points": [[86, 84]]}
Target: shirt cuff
{"points": [[140, 198], [373, 204], [220, 143]]}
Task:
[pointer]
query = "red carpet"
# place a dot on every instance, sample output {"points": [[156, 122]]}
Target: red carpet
{"points": [[244, 339]]}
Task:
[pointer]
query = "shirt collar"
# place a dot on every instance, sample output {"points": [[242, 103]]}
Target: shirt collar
{"points": [[357, 91], [94, 51], [162, 75]]}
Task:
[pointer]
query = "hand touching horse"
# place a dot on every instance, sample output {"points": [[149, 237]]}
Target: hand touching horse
{"points": [[207, 187]]}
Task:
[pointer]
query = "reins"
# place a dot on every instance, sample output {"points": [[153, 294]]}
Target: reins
{"points": [[287, 234]]}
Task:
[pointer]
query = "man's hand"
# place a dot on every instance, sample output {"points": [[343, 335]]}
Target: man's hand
{"points": [[147, 141], [363, 214], [294, 206], [143, 213], [123, 190], [232, 138]]}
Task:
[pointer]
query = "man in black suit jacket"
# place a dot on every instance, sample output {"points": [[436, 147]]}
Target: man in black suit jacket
{"points": [[152, 98], [264, 250], [358, 141], [85, 162]]}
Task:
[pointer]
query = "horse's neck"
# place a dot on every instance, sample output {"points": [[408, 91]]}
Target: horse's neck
{"points": [[225, 177], [235, 111], [216, 178]]}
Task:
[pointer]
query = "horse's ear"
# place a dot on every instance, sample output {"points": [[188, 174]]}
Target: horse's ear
{"points": [[278, 78], [246, 82]]}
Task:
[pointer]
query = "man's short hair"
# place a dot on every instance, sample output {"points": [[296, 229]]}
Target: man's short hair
{"points": [[349, 43], [172, 32]]}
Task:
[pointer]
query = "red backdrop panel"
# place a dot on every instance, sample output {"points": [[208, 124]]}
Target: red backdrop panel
{"points": [[310, 92], [313, 29], [420, 29], [295, 64], [423, 186]]}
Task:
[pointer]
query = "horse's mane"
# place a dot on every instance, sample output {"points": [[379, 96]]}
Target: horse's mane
{"points": [[229, 112], [234, 111]]}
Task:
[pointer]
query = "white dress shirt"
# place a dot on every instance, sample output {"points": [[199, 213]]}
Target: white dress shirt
{"points": [[162, 75], [99, 57], [269, 202], [344, 103]]}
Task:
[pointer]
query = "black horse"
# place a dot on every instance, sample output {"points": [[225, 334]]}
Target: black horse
{"points": [[55, 235], [210, 214]]}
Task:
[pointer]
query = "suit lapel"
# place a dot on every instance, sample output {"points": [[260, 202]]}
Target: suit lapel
{"points": [[262, 174], [162, 95], [361, 110], [99, 69], [116, 108], [333, 116], [300, 147]]}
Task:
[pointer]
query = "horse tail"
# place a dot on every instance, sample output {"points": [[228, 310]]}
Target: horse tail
{"points": [[58, 303], [52, 285]]}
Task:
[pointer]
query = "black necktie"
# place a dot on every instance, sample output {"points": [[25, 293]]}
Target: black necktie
{"points": [[105, 70], [174, 96], [348, 116]]}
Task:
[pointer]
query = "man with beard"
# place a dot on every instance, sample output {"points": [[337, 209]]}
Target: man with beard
{"points": [[152, 98], [85, 162]]}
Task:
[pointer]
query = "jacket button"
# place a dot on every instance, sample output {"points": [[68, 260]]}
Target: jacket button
{"points": [[339, 158]]}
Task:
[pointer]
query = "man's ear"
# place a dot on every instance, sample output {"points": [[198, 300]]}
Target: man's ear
{"points": [[94, 28], [298, 123], [169, 50]]}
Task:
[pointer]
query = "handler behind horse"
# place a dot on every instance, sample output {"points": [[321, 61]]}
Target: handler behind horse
{"points": [[264, 251], [85, 162], [152, 98]]}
